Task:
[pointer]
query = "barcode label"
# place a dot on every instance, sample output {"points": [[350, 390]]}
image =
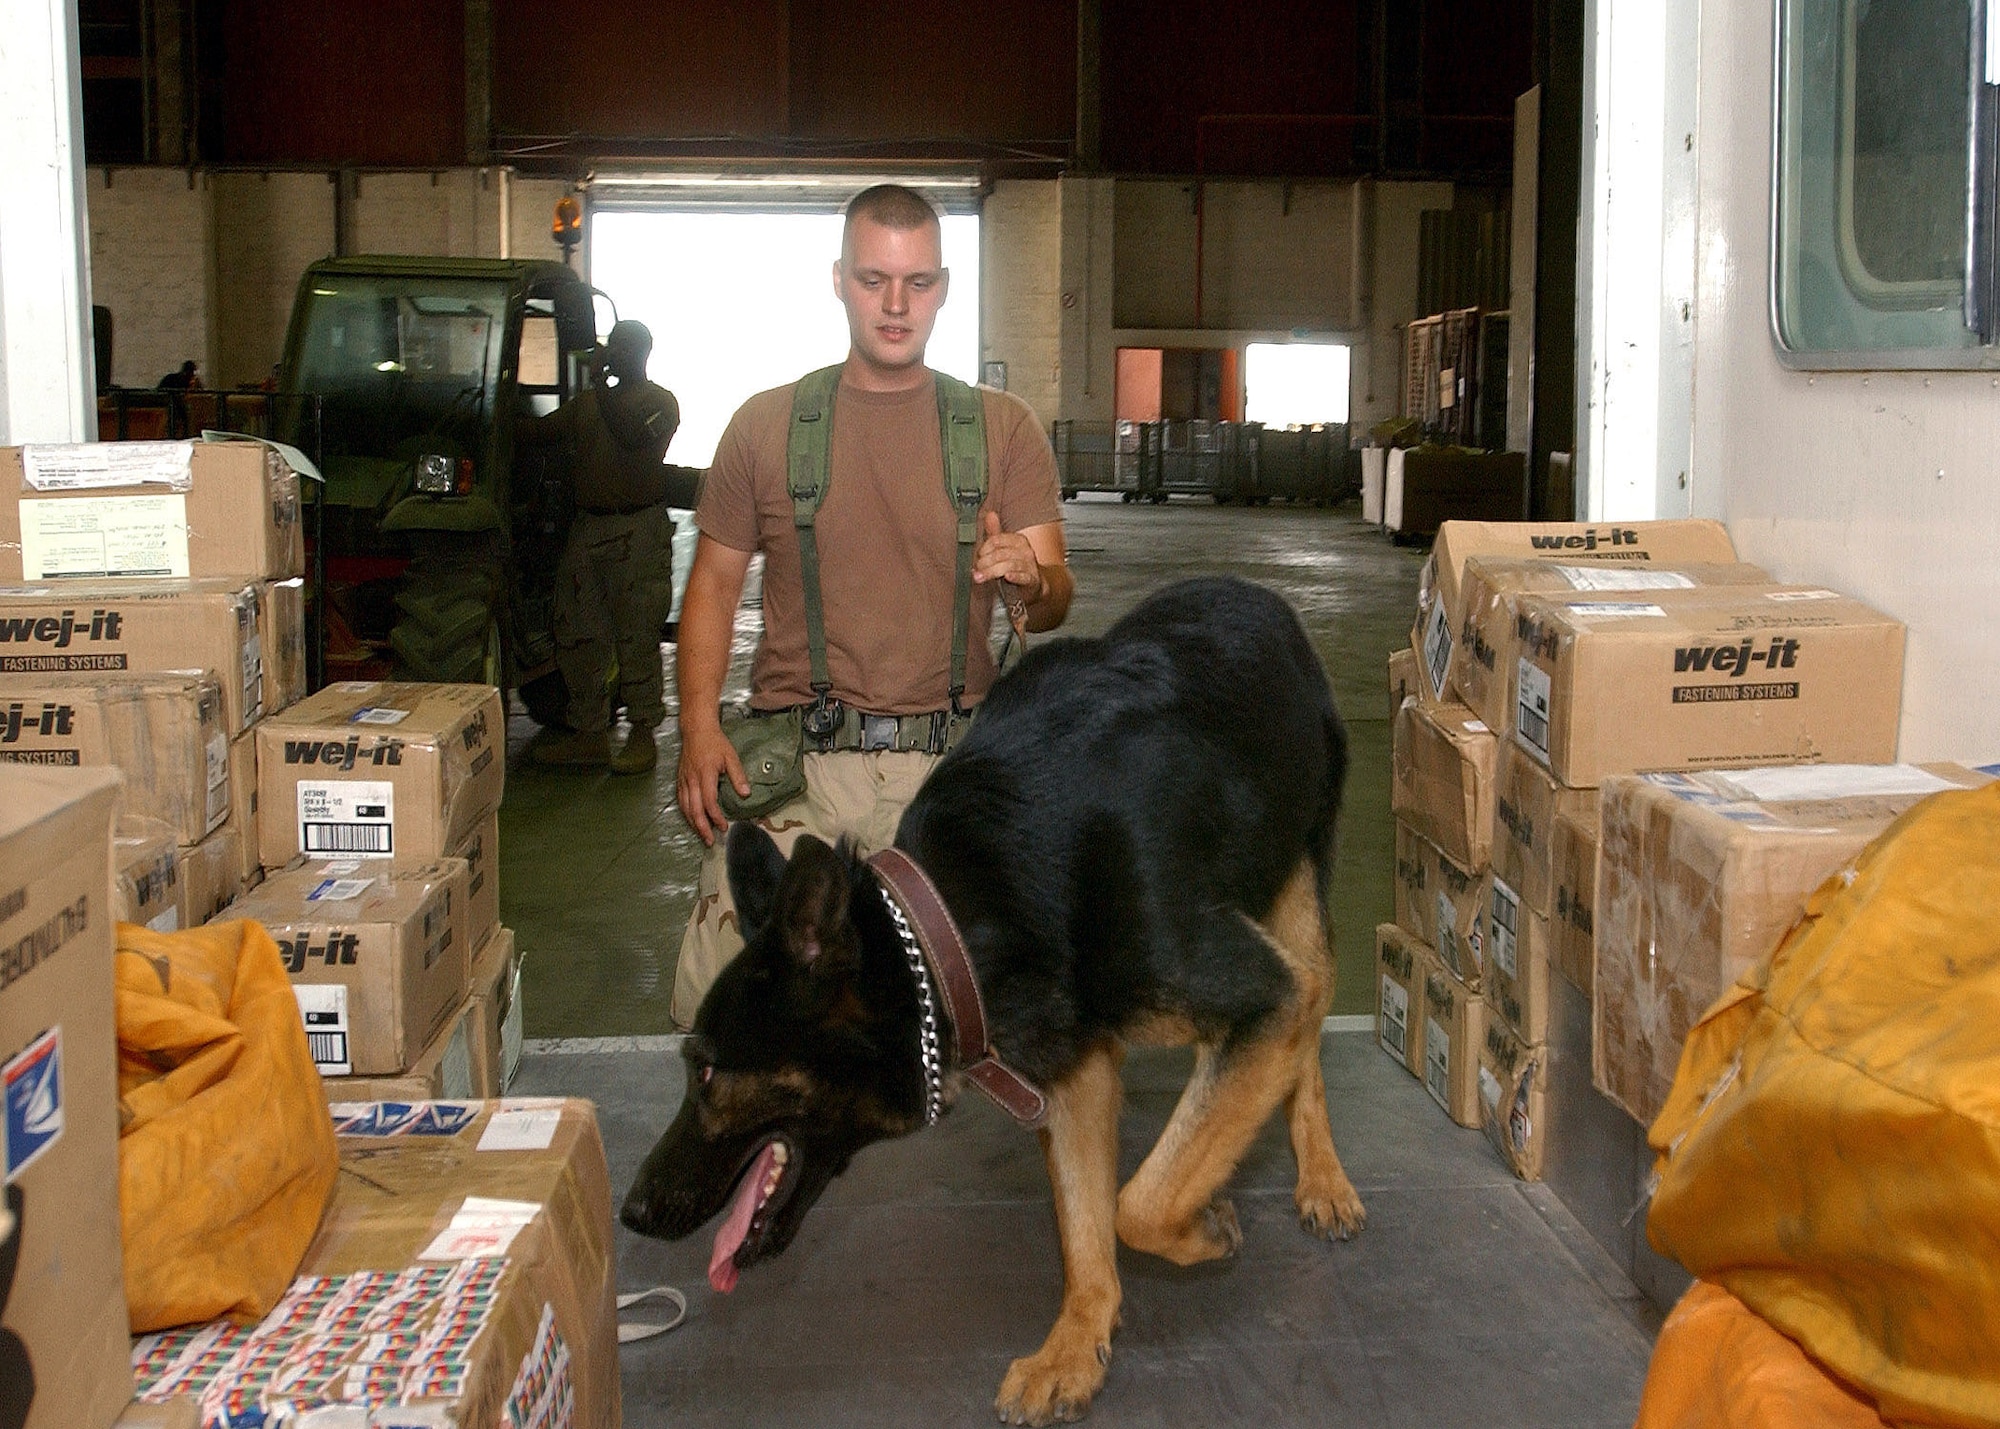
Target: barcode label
{"points": [[1393, 1020], [348, 838], [1447, 937], [1437, 649], [1437, 1062], [1619, 578], [1531, 708], [328, 1048], [323, 1009], [1505, 923]]}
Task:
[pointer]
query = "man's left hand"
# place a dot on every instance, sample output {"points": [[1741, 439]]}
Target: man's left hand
{"points": [[1007, 556]]}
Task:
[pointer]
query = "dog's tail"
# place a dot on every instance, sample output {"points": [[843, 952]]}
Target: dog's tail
{"points": [[1333, 780]]}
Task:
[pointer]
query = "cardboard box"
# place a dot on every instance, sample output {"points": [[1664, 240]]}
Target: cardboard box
{"points": [[1442, 904], [519, 1308], [496, 1002], [1441, 778], [481, 851], [179, 1414], [1513, 1098], [64, 1336], [366, 770], [1454, 1023], [163, 732], [377, 956], [1399, 999], [1718, 678], [1571, 916], [1526, 805], [154, 509], [283, 627], [148, 627], [1405, 681], [1699, 878], [1517, 963], [212, 876], [146, 873], [1487, 646], [243, 800], [1441, 608], [446, 1070]]}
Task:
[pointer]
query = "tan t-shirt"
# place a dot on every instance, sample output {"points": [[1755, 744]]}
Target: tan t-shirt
{"points": [[888, 542]]}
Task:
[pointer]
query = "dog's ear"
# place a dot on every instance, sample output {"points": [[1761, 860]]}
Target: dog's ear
{"points": [[812, 907], [755, 870]]}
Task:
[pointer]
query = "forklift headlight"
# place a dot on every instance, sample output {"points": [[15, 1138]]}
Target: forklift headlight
{"points": [[434, 474]]}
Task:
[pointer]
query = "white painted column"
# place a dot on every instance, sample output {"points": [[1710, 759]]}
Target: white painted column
{"points": [[47, 385], [1636, 260]]}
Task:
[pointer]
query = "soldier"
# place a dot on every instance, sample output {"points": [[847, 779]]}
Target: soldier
{"points": [[614, 585]]}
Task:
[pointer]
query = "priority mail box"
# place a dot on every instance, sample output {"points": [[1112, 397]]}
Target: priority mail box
{"points": [[1443, 905], [481, 851], [175, 509], [1441, 607], [1517, 963], [146, 873], [1699, 878], [1572, 913], [1720, 677], [497, 1016], [64, 1336], [1487, 646], [1526, 804], [400, 772], [1399, 1000], [283, 629], [1513, 1098], [1454, 1022], [469, 1250], [147, 627], [164, 732], [377, 956], [1441, 778]]}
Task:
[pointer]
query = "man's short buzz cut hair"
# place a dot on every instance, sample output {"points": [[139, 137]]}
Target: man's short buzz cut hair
{"points": [[892, 206]]}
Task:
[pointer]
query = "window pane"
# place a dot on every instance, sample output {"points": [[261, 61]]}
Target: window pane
{"points": [[1874, 125]]}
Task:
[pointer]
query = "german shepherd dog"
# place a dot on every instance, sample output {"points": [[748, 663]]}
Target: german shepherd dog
{"points": [[1133, 838]]}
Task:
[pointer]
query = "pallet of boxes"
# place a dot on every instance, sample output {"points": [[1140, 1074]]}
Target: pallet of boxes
{"points": [[1577, 698]]}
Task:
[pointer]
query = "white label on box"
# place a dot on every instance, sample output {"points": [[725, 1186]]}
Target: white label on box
{"points": [[93, 536], [1618, 578], [455, 1071], [340, 868], [1447, 936], [1616, 610], [323, 1008], [510, 1032], [218, 781], [1531, 708], [1505, 928], [1800, 782], [1392, 1022], [1489, 1094], [167, 920], [1802, 595], [339, 890], [1437, 1062], [1437, 649], [521, 1128], [349, 816], [253, 679], [372, 715], [85, 466], [1476, 726], [480, 1227]]}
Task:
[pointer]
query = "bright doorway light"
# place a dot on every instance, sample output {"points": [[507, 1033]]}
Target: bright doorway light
{"points": [[742, 301], [1295, 383]]}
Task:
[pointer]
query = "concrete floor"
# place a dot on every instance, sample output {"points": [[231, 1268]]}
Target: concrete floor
{"points": [[1470, 1299], [597, 873]]}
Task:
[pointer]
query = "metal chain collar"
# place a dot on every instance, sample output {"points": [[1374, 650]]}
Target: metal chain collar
{"points": [[928, 1041]]}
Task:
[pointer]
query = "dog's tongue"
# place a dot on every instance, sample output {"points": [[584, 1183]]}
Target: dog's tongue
{"points": [[729, 1238]]}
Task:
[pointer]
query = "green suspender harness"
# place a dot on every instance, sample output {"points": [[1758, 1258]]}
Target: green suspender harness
{"points": [[808, 453]]}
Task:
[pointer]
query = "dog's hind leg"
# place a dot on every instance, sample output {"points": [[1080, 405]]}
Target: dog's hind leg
{"points": [[1328, 1204], [1080, 1145]]}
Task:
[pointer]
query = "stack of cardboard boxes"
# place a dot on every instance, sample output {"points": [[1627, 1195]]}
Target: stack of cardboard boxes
{"points": [[1550, 662], [151, 614], [378, 827]]}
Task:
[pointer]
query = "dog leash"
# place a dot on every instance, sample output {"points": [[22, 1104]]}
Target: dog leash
{"points": [[1017, 633], [632, 1331]]}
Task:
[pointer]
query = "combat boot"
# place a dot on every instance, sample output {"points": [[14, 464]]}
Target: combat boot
{"points": [[573, 749], [639, 755]]}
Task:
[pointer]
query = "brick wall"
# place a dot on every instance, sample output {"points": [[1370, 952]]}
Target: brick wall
{"points": [[1020, 317], [150, 242]]}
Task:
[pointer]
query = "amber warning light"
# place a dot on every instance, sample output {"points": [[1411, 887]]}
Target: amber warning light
{"points": [[567, 228]]}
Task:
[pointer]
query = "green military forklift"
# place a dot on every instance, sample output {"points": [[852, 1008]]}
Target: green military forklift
{"points": [[440, 537]]}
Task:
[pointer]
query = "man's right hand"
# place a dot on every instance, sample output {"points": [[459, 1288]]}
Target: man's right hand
{"points": [[707, 757]]}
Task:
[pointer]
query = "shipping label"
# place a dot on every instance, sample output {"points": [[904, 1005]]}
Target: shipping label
{"points": [[1504, 928], [87, 466], [354, 817], [97, 536], [1623, 578], [323, 1008], [1437, 649], [1392, 1020], [1531, 708], [1437, 1062], [32, 1083], [218, 781]]}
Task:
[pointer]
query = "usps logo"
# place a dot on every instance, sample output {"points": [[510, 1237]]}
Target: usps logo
{"points": [[32, 1084]]}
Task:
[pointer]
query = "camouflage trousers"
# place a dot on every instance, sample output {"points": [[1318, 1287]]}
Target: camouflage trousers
{"points": [[854, 795], [614, 589]]}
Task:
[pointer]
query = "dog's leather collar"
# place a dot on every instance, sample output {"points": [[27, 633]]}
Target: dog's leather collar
{"points": [[944, 950]]}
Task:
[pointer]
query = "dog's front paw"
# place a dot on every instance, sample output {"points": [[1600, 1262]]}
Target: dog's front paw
{"points": [[1056, 1383], [1332, 1213]]}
